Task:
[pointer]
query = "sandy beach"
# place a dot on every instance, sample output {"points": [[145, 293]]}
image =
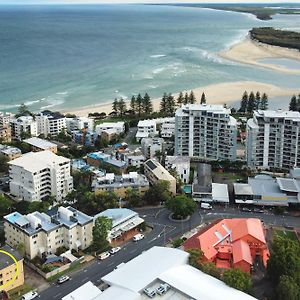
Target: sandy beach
{"points": [[251, 52], [221, 93]]}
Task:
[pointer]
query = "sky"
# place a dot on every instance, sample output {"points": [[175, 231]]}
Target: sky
{"points": [[138, 1]]}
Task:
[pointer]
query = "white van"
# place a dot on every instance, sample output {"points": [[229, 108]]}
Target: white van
{"points": [[206, 206], [30, 295], [138, 237]]}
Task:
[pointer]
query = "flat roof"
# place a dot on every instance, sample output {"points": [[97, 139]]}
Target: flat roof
{"points": [[242, 189], [40, 143], [220, 192], [87, 291], [5, 261]]}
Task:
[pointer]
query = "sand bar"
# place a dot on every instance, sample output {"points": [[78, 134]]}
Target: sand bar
{"points": [[221, 93], [251, 52]]}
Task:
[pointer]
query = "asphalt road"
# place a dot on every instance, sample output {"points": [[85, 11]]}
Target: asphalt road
{"points": [[164, 229]]}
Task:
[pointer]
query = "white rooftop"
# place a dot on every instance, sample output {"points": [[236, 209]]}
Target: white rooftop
{"points": [[111, 125], [87, 291], [220, 192], [295, 115], [34, 161], [146, 123], [40, 143], [213, 108]]}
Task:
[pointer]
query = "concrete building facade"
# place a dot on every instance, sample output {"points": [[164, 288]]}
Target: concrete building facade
{"points": [[24, 125], [273, 139], [50, 123], [205, 131]]}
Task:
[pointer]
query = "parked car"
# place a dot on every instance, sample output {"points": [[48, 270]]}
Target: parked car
{"points": [[246, 209], [149, 293], [258, 210], [206, 206], [63, 279], [104, 255], [163, 288], [138, 237], [30, 295], [114, 250]]}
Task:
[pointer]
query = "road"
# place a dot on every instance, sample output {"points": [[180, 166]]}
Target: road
{"points": [[164, 229]]}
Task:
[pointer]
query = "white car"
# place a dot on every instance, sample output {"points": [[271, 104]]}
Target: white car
{"points": [[138, 237], [114, 250], [30, 295], [104, 255], [163, 288], [149, 293], [63, 279]]}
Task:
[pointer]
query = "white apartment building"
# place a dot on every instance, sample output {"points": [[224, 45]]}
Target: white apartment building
{"points": [[150, 146], [5, 118], [167, 127], [273, 139], [36, 175], [79, 123], [23, 124], [43, 233], [118, 127], [205, 131], [155, 172], [49, 122], [181, 164], [146, 128]]}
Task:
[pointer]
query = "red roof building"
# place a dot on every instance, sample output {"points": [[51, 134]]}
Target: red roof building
{"points": [[232, 243]]}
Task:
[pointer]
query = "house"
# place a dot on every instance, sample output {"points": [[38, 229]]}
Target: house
{"points": [[99, 158], [232, 243], [118, 127], [10, 152]]}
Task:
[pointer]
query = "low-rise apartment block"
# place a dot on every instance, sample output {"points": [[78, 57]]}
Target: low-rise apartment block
{"points": [[5, 118], [37, 175], [273, 139], [119, 184], [146, 128], [151, 146], [180, 164], [43, 233], [155, 172], [23, 126], [79, 123], [167, 127], [10, 152], [50, 123], [38, 144], [96, 159], [84, 137], [118, 127], [8, 269], [5, 133], [205, 131]]}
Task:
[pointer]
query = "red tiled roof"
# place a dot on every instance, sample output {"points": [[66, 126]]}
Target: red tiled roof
{"points": [[241, 251]]}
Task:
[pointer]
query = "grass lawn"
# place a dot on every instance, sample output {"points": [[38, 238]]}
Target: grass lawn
{"points": [[16, 293], [285, 233], [228, 175], [74, 267]]}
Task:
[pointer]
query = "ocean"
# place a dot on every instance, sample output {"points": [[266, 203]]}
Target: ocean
{"points": [[60, 57]]}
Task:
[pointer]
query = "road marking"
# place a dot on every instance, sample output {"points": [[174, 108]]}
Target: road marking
{"points": [[57, 295], [110, 264], [132, 251], [84, 279]]}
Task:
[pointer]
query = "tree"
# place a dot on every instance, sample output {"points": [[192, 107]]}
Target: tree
{"points": [[257, 100], [192, 98], [181, 206], [5, 205], [100, 232], [133, 104], [23, 110], [264, 102], [288, 289], [139, 105], [170, 105], [195, 257], [132, 198], [186, 98], [210, 269], [4, 167], [244, 102], [180, 99], [163, 104], [147, 105], [238, 280], [121, 107], [115, 106], [251, 103], [293, 104], [158, 193], [203, 99]]}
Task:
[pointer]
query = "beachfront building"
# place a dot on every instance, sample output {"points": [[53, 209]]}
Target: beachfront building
{"points": [[43, 233], [232, 243], [10, 152], [50, 123], [155, 172], [118, 127], [100, 159], [38, 175], [23, 126], [38, 144], [119, 184], [167, 127], [5, 133], [79, 123], [273, 139], [8, 269], [265, 190], [124, 223], [205, 131], [154, 270], [150, 147], [5, 118], [180, 164], [146, 128]]}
